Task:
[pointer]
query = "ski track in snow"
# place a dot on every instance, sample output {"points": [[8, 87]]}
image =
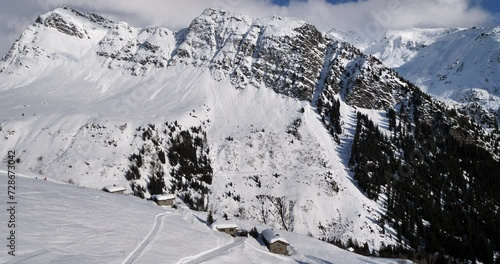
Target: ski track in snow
{"points": [[213, 253], [147, 240]]}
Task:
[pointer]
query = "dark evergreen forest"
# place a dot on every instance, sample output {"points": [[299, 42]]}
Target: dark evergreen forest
{"points": [[441, 189]]}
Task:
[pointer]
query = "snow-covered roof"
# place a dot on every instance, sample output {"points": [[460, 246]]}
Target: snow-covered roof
{"points": [[114, 188], [223, 223], [162, 197], [271, 236]]}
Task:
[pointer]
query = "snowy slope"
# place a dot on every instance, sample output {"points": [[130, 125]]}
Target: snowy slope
{"points": [[90, 143], [462, 67], [457, 62], [63, 223], [396, 47]]}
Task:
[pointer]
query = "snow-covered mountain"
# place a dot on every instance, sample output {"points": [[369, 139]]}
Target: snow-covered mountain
{"points": [[455, 65], [82, 94], [397, 47], [256, 118]]}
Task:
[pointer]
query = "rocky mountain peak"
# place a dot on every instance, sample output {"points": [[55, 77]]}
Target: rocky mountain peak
{"points": [[286, 54], [216, 13], [65, 19]]}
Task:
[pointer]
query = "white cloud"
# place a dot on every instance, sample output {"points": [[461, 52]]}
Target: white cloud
{"points": [[366, 16]]}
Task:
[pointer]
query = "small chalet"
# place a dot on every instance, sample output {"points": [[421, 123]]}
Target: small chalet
{"points": [[227, 226], [274, 242], [164, 199], [114, 189]]}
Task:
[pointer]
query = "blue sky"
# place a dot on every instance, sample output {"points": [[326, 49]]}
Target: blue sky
{"points": [[492, 5]]}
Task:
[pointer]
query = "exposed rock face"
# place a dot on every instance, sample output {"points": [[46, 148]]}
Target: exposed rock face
{"points": [[58, 22], [281, 53], [360, 79], [66, 23], [137, 50]]}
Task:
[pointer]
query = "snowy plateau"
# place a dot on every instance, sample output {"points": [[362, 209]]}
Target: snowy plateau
{"points": [[88, 102]]}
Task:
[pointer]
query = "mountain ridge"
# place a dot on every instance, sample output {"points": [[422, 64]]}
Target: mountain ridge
{"points": [[467, 61], [251, 117]]}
